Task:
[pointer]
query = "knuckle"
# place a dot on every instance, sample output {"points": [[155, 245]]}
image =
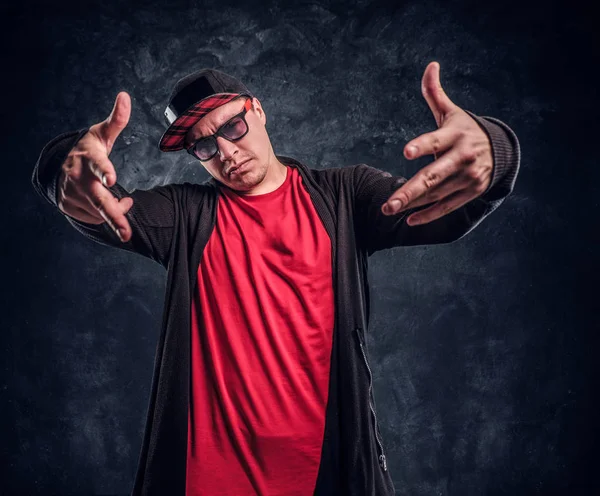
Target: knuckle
{"points": [[72, 175], [430, 179], [96, 170], [435, 144], [404, 197], [98, 202], [447, 208], [68, 164], [429, 87], [480, 186], [468, 155], [80, 155], [462, 134], [472, 176]]}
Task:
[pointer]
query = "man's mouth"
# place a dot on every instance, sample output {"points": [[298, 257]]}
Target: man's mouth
{"points": [[232, 169]]}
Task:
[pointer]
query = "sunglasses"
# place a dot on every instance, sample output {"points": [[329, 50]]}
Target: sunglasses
{"points": [[234, 129]]}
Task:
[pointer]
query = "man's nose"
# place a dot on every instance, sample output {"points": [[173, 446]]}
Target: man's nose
{"points": [[227, 149]]}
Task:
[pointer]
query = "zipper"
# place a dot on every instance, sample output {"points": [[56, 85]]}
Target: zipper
{"points": [[382, 459]]}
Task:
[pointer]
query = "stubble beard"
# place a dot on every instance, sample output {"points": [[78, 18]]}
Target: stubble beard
{"points": [[249, 179]]}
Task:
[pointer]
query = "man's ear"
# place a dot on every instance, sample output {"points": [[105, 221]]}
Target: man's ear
{"points": [[258, 107]]}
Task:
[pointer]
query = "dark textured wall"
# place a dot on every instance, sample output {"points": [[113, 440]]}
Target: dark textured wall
{"points": [[484, 351]]}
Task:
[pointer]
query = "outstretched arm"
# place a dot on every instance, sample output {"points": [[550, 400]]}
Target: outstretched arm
{"points": [[477, 162], [75, 174]]}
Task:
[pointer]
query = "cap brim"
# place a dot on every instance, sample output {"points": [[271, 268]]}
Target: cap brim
{"points": [[174, 137]]}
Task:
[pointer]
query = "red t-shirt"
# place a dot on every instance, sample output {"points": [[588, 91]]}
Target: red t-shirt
{"points": [[262, 328]]}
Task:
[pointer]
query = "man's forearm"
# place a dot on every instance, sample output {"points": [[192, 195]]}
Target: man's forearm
{"points": [[373, 188], [47, 169]]}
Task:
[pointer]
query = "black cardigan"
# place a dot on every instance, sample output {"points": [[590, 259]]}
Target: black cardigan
{"points": [[171, 225]]}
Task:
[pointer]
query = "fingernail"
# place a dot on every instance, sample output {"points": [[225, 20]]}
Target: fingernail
{"points": [[412, 150], [104, 180], [414, 221], [391, 206]]}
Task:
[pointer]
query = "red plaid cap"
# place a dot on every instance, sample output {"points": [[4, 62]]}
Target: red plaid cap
{"points": [[174, 136]]}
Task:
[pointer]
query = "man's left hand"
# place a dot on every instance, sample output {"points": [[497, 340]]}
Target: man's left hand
{"points": [[463, 164]]}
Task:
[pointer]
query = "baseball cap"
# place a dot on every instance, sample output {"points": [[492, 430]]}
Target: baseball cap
{"points": [[194, 96]]}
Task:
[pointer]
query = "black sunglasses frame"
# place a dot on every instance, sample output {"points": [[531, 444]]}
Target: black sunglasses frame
{"points": [[213, 137]]}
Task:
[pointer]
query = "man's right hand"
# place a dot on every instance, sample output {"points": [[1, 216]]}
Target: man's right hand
{"points": [[87, 173]]}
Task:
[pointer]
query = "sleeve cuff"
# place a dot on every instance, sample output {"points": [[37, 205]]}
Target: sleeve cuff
{"points": [[506, 153], [47, 169]]}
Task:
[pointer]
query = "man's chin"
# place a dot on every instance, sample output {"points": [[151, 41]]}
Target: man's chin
{"points": [[246, 182], [243, 182]]}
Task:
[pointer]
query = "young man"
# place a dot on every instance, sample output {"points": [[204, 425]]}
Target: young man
{"points": [[262, 383]]}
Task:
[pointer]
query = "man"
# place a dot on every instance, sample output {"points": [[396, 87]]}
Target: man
{"points": [[262, 383]]}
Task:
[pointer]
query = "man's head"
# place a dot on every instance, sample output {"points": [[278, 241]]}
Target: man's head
{"points": [[217, 120]]}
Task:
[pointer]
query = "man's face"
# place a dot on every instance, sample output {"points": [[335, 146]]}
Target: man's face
{"points": [[254, 148]]}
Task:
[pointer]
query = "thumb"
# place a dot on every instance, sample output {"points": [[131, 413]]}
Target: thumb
{"points": [[439, 103], [126, 203], [116, 121]]}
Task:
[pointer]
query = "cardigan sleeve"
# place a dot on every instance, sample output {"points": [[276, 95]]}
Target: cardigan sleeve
{"points": [[373, 187], [152, 216]]}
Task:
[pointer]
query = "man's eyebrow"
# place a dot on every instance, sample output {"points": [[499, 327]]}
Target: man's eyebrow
{"points": [[196, 137]]}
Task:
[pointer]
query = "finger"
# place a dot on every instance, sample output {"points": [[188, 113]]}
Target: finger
{"points": [[70, 202], [116, 121], [71, 193], [126, 203], [69, 196], [103, 169], [437, 100], [109, 207], [454, 183], [422, 183], [125, 232], [444, 207], [121, 228], [83, 215], [433, 143]]}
